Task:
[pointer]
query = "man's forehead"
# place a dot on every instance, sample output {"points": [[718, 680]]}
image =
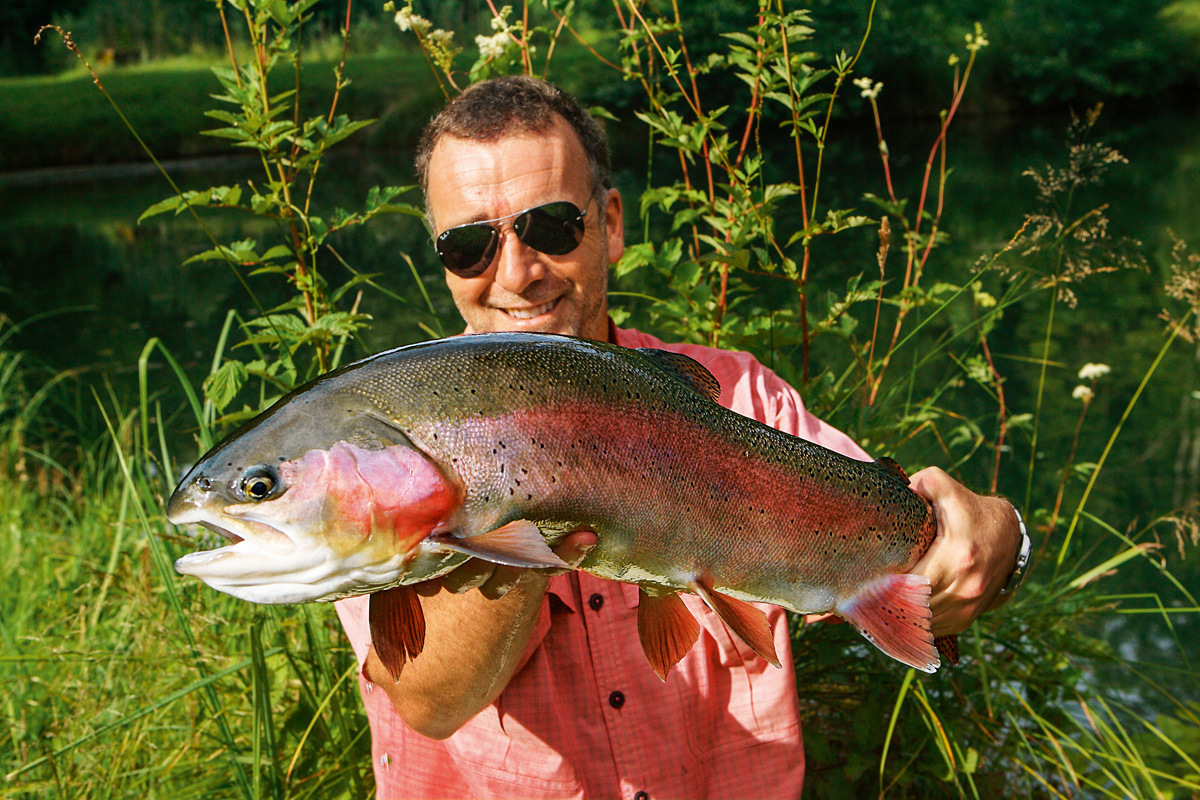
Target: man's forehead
{"points": [[524, 167]]}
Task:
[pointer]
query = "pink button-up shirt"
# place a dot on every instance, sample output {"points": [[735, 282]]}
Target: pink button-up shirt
{"points": [[585, 716]]}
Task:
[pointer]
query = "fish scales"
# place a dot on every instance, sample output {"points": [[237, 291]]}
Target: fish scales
{"points": [[601, 424], [521, 433]]}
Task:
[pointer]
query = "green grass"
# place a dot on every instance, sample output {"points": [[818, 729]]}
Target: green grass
{"points": [[64, 120], [123, 681]]}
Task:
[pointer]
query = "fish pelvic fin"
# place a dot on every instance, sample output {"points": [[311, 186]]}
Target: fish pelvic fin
{"points": [[947, 646], [397, 626], [667, 630], [520, 543], [892, 612], [746, 620]]}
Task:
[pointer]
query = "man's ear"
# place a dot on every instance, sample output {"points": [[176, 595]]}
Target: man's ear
{"points": [[614, 225]]}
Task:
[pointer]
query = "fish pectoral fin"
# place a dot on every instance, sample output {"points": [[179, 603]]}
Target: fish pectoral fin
{"points": [[746, 620], [947, 646], [520, 543], [667, 630], [397, 626], [893, 613]]}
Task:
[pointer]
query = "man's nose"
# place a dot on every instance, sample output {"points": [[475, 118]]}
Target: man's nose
{"points": [[517, 264]]}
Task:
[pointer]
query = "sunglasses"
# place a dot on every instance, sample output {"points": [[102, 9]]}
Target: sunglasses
{"points": [[554, 229]]}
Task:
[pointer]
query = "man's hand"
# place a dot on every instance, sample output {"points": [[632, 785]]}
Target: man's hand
{"points": [[973, 555]]}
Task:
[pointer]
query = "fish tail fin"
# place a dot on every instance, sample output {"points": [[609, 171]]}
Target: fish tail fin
{"points": [[667, 630], [747, 621], [397, 626], [893, 613], [948, 647]]}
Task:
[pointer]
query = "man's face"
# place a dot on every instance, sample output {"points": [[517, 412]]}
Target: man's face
{"points": [[522, 289]]}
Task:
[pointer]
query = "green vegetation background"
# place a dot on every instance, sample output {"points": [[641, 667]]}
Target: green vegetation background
{"points": [[124, 681]]}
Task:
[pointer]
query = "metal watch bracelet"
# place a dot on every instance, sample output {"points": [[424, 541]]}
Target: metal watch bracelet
{"points": [[1022, 565]]}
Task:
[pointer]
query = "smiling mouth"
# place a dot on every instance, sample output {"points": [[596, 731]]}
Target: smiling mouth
{"points": [[530, 313]]}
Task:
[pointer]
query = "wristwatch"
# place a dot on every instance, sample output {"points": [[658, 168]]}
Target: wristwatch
{"points": [[1022, 565]]}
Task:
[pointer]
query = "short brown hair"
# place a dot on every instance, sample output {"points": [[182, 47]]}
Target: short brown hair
{"points": [[494, 108]]}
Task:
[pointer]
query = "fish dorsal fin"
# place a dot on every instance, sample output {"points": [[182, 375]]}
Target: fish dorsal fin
{"points": [[747, 621], [686, 369], [667, 630], [889, 465], [397, 626], [893, 613], [520, 543]]}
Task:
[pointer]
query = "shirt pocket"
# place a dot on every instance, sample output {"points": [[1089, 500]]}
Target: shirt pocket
{"points": [[737, 699]]}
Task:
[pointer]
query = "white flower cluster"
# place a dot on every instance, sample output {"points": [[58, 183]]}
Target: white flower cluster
{"points": [[870, 89], [406, 20], [1089, 372], [977, 41], [441, 38], [492, 46]]}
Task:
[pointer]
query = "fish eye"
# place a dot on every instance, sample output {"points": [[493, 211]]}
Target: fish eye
{"points": [[257, 483]]}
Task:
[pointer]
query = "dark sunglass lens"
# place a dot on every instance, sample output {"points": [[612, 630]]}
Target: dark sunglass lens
{"points": [[554, 229], [467, 250]]}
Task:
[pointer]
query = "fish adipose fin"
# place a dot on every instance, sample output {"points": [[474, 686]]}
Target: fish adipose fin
{"points": [[397, 626], [518, 544], [948, 647], [893, 613], [686, 369], [667, 630], [889, 465], [747, 621]]}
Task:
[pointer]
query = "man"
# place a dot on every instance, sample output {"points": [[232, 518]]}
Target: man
{"points": [[535, 685]]}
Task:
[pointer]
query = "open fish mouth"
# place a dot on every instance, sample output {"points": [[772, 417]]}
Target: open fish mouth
{"points": [[263, 563], [224, 533]]}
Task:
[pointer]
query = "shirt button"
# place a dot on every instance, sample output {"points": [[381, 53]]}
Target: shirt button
{"points": [[595, 601], [616, 699], [641, 796]]}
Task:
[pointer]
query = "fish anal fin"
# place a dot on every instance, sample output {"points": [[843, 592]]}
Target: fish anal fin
{"points": [[397, 626], [746, 620], [667, 630], [520, 543], [947, 646], [685, 369], [892, 612], [890, 465]]}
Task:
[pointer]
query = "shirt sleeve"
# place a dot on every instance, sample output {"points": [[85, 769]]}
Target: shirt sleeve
{"points": [[353, 612]]}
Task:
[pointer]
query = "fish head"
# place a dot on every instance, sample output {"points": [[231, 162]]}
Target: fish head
{"points": [[320, 497]]}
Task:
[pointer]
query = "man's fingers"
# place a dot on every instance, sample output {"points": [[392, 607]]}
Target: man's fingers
{"points": [[470, 575], [575, 546]]}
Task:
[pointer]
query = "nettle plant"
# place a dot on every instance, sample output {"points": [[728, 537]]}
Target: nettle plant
{"points": [[304, 336], [732, 227]]}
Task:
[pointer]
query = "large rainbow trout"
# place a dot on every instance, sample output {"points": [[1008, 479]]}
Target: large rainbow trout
{"points": [[396, 469]]}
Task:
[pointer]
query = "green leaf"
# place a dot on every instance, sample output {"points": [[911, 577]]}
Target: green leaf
{"points": [[221, 386], [170, 204]]}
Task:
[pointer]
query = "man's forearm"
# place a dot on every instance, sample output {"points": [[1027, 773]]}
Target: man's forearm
{"points": [[473, 646]]}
